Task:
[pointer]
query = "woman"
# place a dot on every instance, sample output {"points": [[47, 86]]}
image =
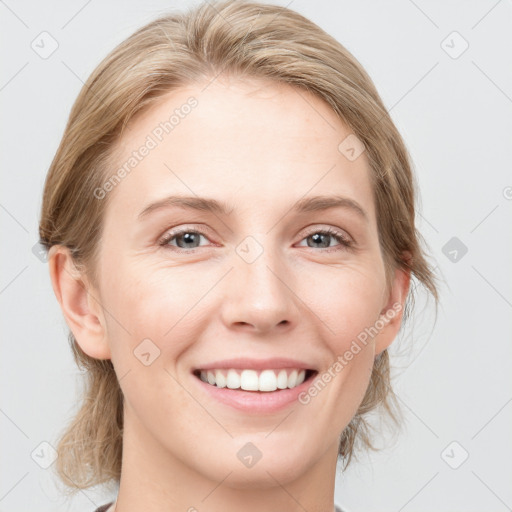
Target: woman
{"points": [[230, 226]]}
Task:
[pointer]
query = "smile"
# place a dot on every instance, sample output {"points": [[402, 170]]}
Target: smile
{"points": [[267, 380], [254, 385]]}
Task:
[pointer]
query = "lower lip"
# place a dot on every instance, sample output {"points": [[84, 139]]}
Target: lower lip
{"points": [[255, 401]]}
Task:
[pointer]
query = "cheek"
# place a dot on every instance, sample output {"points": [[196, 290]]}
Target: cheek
{"points": [[150, 304], [348, 305], [150, 325], [345, 302], [170, 307], [167, 305]]}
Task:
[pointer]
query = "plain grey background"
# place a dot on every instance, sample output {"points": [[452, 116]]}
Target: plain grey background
{"points": [[443, 70]]}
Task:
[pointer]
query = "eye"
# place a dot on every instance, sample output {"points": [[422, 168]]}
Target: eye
{"points": [[185, 239], [322, 239], [189, 239]]}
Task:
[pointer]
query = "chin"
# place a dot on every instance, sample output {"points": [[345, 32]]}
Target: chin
{"points": [[263, 475], [275, 464]]}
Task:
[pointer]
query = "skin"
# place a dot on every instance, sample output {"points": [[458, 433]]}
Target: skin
{"points": [[260, 147]]}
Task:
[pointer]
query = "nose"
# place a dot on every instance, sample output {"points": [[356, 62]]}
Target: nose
{"points": [[259, 296]]}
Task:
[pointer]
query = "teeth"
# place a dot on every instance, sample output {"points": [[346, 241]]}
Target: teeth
{"points": [[220, 380], [282, 380], [268, 380], [300, 377], [251, 380], [232, 380], [292, 379]]}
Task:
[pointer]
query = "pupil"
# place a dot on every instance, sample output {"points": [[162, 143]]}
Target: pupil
{"points": [[188, 237], [317, 238]]}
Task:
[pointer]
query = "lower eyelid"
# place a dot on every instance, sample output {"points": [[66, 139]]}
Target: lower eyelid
{"points": [[342, 239], [165, 239]]}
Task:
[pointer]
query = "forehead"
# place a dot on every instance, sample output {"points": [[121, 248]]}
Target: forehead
{"points": [[239, 141]]}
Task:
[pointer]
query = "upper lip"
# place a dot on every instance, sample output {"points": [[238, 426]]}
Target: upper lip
{"points": [[243, 363]]}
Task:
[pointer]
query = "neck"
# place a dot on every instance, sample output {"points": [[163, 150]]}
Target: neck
{"points": [[155, 480]]}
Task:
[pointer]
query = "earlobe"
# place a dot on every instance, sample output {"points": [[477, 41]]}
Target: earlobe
{"points": [[79, 303], [392, 313]]}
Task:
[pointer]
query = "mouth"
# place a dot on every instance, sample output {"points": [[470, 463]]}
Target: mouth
{"points": [[256, 381], [254, 386]]}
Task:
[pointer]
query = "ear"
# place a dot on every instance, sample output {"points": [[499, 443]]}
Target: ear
{"points": [[79, 303], [392, 312]]}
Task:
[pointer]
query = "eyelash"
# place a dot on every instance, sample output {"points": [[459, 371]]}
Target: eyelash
{"points": [[344, 242]]}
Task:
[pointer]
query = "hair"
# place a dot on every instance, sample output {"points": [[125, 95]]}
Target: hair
{"points": [[247, 40]]}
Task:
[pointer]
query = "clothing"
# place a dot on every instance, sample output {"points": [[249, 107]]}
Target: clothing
{"points": [[105, 508]]}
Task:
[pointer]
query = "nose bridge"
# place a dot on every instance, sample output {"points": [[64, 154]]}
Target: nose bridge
{"points": [[259, 293]]}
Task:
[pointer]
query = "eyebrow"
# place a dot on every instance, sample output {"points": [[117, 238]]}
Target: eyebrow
{"points": [[305, 205]]}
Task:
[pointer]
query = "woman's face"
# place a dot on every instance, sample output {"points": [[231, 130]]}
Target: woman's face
{"points": [[261, 280]]}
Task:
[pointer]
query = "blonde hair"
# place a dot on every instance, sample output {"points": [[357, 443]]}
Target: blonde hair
{"points": [[244, 39]]}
